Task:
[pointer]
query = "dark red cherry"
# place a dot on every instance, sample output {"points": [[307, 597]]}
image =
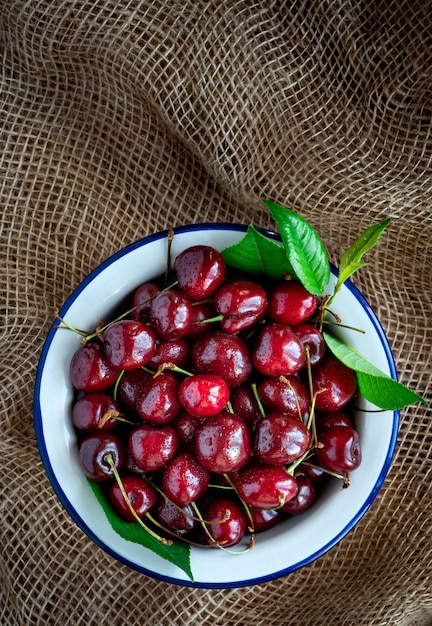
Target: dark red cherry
{"points": [[151, 447], [179, 520], [91, 412], [202, 313], [222, 443], [225, 355], [313, 339], [94, 452], [280, 439], [327, 420], [263, 519], [171, 314], [290, 303], [185, 426], [242, 303], [174, 351], [278, 351], [287, 394], [203, 395], [339, 449], [129, 386], [334, 384], [225, 522], [200, 271], [90, 369], [245, 405], [141, 496], [157, 401], [141, 301], [265, 486], [303, 499], [316, 474], [129, 344], [184, 480]]}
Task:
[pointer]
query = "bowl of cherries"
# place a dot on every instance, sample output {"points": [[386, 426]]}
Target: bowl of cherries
{"points": [[217, 405]]}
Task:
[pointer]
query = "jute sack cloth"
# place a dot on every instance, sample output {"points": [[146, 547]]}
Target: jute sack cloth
{"points": [[121, 118]]}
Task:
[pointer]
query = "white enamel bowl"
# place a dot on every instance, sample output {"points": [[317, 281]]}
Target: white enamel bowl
{"points": [[291, 545]]}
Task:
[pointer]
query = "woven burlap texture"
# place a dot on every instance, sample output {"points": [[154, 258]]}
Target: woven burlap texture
{"points": [[120, 118]]}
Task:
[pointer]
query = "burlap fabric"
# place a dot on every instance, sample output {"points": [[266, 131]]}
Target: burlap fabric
{"points": [[120, 118]]}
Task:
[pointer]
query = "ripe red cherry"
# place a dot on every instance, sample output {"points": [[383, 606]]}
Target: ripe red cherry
{"points": [[129, 386], [287, 394], [339, 450], [222, 443], [151, 447], [90, 369], [200, 271], [265, 486], [334, 384], [225, 355], [290, 303], [94, 452], [202, 311], [242, 303], [141, 301], [90, 412], [226, 522], [129, 344], [140, 494], [316, 474], [278, 351], [175, 351], [171, 314], [263, 519], [177, 519], [280, 439], [203, 395], [303, 499], [185, 426], [157, 401], [245, 405], [327, 420], [313, 339], [184, 480]]}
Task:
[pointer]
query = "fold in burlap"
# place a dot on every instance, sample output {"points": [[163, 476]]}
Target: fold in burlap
{"points": [[119, 118]]}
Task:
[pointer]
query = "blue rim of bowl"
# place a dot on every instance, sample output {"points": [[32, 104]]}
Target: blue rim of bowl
{"points": [[74, 513]]}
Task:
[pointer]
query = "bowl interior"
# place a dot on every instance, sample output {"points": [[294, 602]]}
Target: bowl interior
{"points": [[297, 541]]}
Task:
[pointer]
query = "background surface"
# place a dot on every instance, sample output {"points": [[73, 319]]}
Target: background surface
{"points": [[119, 119]]}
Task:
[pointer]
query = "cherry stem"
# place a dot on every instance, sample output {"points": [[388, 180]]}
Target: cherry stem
{"points": [[100, 330], [251, 528], [117, 382], [215, 543], [173, 534], [68, 326], [209, 320], [109, 459], [343, 477], [258, 399], [170, 239], [177, 506], [294, 465], [339, 324], [114, 414], [172, 367], [285, 380]]}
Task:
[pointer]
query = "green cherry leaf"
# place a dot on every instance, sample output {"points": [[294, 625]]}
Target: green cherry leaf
{"points": [[258, 254], [351, 259], [376, 386], [385, 392], [304, 249], [177, 553]]}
